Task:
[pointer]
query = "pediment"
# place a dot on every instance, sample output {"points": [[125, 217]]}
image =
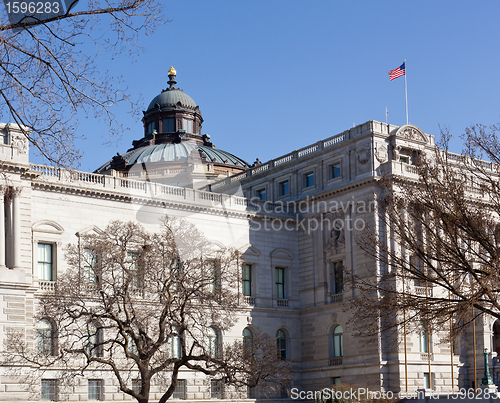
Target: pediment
{"points": [[411, 132], [249, 250], [48, 227], [92, 228], [217, 245], [281, 253]]}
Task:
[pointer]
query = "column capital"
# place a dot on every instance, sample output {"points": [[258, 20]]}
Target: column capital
{"points": [[16, 190]]}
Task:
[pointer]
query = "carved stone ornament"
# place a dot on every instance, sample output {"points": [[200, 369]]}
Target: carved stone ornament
{"points": [[396, 151], [20, 142], [363, 154], [410, 132], [381, 153], [336, 236]]}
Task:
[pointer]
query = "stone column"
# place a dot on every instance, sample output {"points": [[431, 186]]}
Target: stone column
{"points": [[2, 227], [16, 226]]}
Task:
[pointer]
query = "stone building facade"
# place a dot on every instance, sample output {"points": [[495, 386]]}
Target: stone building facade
{"points": [[293, 218]]}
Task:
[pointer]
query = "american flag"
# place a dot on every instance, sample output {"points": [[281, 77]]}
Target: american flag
{"points": [[400, 71]]}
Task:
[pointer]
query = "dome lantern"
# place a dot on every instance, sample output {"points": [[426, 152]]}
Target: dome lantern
{"points": [[173, 112]]}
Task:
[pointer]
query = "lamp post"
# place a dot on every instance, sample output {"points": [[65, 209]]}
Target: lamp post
{"points": [[487, 380]]}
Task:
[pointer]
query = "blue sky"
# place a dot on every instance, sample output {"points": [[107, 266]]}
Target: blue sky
{"points": [[274, 76]]}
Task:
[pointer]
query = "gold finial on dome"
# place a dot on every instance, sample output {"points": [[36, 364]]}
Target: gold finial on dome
{"points": [[171, 78]]}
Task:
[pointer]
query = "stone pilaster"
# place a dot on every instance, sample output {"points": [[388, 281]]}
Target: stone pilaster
{"points": [[2, 227], [16, 226]]}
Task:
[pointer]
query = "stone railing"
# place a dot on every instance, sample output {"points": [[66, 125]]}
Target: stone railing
{"points": [[47, 286], [336, 298], [461, 159], [142, 188], [335, 361], [249, 300], [293, 156], [423, 291], [367, 127], [282, 303], [427, 356]]}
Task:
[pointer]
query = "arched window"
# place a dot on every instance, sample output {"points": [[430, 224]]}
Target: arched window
{"points": [[45, 337], [337, 342], [213, 342], [281, 344], [94, 340], [247, 341]]}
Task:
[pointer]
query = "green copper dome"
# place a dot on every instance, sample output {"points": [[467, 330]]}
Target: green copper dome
{"points": [[172, 152], [170, 98]]}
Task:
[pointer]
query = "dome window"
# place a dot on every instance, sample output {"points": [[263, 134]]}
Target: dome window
{"points": [[151, 127], [169, 125], [187, 125]]}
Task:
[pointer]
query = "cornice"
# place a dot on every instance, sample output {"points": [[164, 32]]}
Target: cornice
{"points": [[146, 201], [342, 189], [16, 167]]}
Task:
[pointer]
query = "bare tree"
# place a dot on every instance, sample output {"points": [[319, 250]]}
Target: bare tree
{"points": [[437, 239], [49, 70], [254, 363], [142, 306]]}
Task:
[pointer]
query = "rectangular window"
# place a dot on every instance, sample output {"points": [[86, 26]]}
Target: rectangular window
{"points": [[136, 385], [175, 347], [427, 384], [136, 280], [425, 341], [187, 125], [284, 188], [212, 268], [216, 389], [45, 262], [95, 340], [89, 258], [180, 390], [335, 171], [261, 194], [404, 159], [337, 280], [132, 347], [151, 127], [336, 381], [169, 125], [95, 391], [309, 180], [279, 274], [49, 390], [251, 392], [246, 278]]}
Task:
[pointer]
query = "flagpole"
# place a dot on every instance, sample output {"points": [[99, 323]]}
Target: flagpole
{"points": [[406, 97]]}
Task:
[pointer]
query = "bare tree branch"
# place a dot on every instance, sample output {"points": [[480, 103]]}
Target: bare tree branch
{"points": [[440, 245], [49, 72]]}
